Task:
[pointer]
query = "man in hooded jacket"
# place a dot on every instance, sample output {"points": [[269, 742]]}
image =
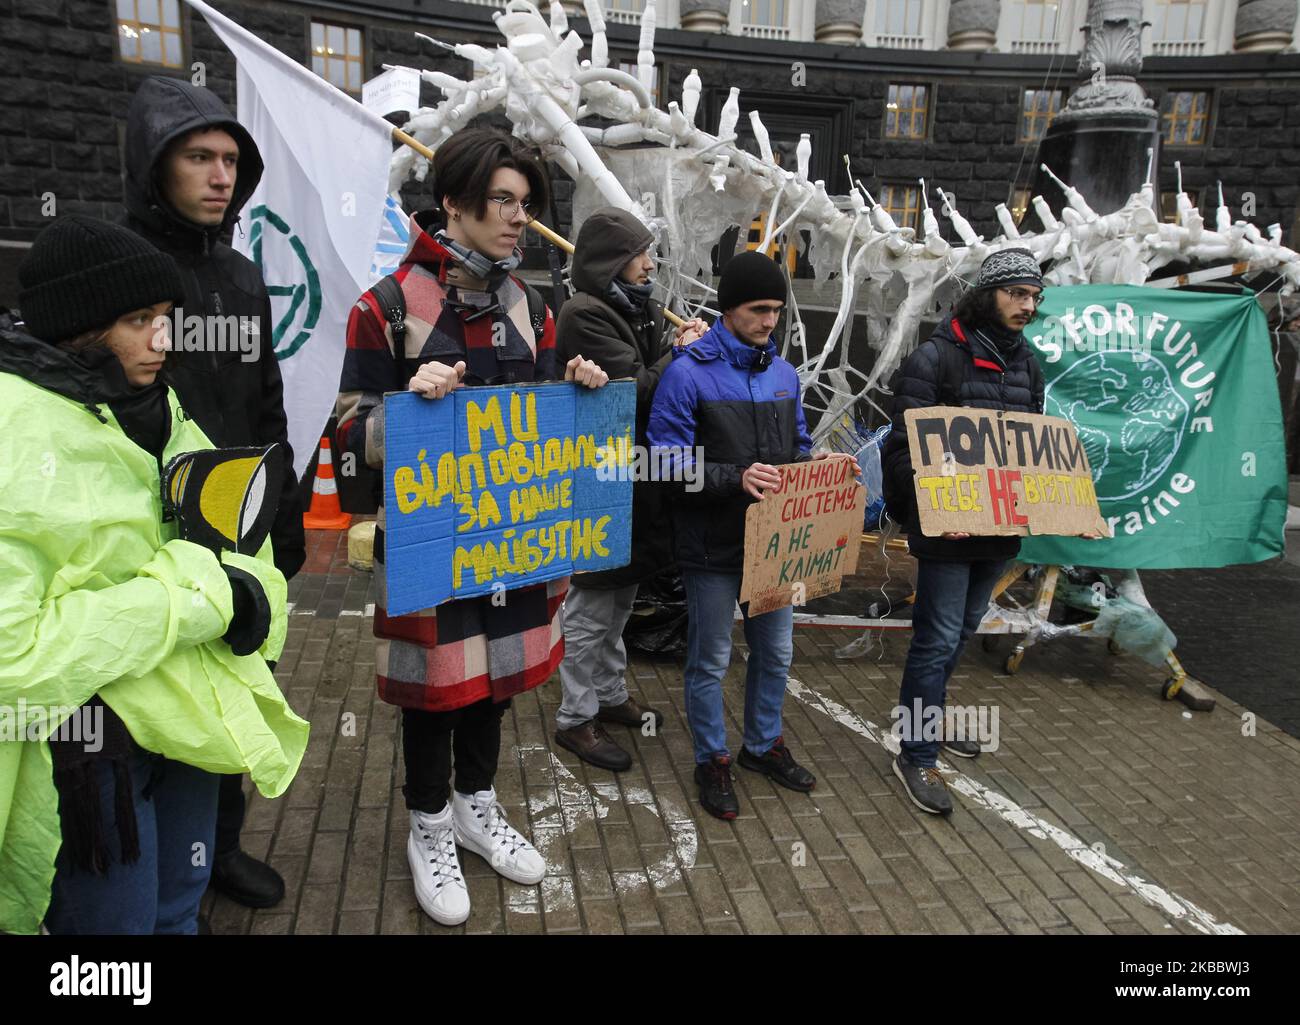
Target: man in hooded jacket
{"points": [[190, 168], [612, 320]]}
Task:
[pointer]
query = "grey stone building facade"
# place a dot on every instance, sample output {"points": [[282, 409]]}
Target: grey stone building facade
{"points": [[964, 117]]}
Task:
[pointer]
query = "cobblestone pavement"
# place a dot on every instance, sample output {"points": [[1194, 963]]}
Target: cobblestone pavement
{"points": [[1238, 630], [1104, 810]]}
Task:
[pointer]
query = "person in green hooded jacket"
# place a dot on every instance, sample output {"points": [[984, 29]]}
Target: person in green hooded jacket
{"points": [[132, 662]]}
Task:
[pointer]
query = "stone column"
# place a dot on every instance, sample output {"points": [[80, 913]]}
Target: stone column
{"points": [[973, 24], [706, 15], [840, 21], [1264, 26]]}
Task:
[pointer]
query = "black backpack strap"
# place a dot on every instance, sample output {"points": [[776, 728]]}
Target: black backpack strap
{"points": [[953, 359], [536, 310], [392, 304]]}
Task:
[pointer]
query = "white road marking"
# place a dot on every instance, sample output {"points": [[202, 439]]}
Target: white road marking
{"points": [[583, 805], [982, 797]]}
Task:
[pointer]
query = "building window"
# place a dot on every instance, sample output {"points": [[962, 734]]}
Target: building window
{"points": [[1037, 108], [149, 32], [765, 19], [757, 228], [631, 68], [1178, 27], [898, 19], [1169, 204], [903, 203], [626, 11], [1019, 204], [1033, 26], [336, 55], [907, 111], [1185, 116]]}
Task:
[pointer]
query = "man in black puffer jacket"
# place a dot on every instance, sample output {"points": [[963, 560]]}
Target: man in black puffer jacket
{"points": [[978, 357], [190, 167]]}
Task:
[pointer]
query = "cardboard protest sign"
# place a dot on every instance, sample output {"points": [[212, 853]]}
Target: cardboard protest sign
{"points": [[802, 538], [992, 472], [493, 488]]}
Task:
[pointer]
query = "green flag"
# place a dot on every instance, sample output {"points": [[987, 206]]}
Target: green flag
{"points": [[1175, 400]]}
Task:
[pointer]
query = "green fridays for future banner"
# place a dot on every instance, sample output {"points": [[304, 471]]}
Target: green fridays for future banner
{"points": [[1174, 397]]}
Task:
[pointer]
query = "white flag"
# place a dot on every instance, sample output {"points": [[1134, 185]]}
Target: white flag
{"points": [[313, 223]]}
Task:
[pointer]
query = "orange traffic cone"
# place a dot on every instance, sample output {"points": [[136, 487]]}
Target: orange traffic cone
{"points": [[325, 513]]}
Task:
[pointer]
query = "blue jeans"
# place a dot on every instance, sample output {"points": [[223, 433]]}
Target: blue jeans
{"points": [[951, 599], [710, 606], [160, 892]]}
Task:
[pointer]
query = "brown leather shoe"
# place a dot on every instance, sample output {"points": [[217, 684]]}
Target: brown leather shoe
{"points": [[594, 746], [629, 713]]}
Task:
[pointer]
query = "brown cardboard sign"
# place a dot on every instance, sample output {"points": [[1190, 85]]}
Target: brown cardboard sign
{"points": [[802, 538], [987, 472]]}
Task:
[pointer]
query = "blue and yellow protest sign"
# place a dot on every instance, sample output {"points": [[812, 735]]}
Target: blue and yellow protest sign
{"points": [[490, 489]]}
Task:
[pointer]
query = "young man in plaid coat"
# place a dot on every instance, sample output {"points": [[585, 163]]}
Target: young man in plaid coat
{"points": [[453, 669]]}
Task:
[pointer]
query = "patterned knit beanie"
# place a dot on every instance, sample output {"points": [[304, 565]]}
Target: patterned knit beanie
{"points": [[1009, 267]]}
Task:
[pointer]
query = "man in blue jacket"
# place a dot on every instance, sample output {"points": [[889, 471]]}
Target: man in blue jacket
{"points": [[730, 402]]}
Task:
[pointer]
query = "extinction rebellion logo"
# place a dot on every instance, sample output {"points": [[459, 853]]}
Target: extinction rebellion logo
{"points": [[1140, 377], [292, 281]]}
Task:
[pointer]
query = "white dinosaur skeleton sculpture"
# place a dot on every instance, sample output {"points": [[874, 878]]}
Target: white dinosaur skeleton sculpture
{"points": [[691, 185]]}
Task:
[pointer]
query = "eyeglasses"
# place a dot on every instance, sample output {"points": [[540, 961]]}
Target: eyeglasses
{"points": [[1020, 295], [508, 207]]}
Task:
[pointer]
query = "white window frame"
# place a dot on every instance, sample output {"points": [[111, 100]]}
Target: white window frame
{"points": [[934, 27], [1067, 39], [801, 19], [1179, 47], [1218, 32]]}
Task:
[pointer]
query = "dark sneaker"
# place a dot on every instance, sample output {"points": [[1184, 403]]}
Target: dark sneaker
{"points": [[924, 786], [962, 748], [247, 881], [717, 795], [630, 713], [593, 745], [780, 765]]}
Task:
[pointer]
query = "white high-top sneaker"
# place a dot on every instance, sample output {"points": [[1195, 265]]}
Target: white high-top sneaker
{"points": [[481, 826], [435, 870]]}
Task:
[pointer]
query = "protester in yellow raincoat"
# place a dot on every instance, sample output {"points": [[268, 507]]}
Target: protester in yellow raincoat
{"points": [[116, 636]]}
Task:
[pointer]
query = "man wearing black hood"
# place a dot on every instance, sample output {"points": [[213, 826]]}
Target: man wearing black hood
{"points": [[190, 167], [612, 320], [977, 357]]}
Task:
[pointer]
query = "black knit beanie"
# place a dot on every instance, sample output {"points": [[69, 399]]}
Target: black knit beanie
{"points": [[750, 277], [83, 273]]}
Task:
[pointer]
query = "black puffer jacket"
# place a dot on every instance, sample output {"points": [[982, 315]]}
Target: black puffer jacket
{"points": [[623, 346], [991, 379], [236, 403]]}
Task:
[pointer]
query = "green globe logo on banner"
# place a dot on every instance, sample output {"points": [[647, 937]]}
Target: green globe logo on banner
{"points": [[1174, 398], [1156, 416], [291, 280]]}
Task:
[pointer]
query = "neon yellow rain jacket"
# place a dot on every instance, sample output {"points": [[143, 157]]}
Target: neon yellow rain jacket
{"points": [[98, 595]]}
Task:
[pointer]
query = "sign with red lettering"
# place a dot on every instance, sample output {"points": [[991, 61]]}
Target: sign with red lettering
{"points": [[982, 472], [803, 537]]}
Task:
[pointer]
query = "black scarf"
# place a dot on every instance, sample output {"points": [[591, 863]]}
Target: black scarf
{"points": [[630, 300]]}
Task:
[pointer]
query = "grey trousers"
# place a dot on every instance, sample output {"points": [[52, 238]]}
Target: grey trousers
{"points": [[594, 657]]}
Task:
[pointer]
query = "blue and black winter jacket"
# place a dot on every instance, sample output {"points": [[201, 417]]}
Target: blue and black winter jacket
{"points": [[741, 405]]}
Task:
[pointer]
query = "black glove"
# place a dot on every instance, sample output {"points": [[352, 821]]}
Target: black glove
{"points": [[251, 623]]}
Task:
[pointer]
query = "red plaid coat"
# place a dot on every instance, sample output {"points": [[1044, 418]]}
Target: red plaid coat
{"points": [[462, 651]]}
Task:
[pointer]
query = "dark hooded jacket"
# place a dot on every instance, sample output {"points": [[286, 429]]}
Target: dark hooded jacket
{"points": [[998, 371], [235, 402], [624, 346]]}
